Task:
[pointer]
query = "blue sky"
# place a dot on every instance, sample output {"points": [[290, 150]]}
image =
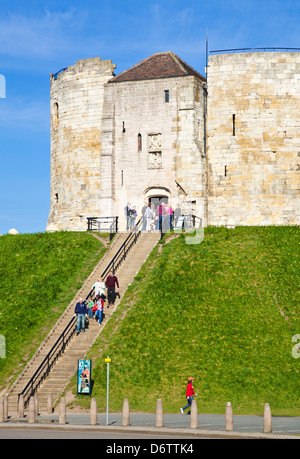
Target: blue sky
{"points": [[38, 38]]}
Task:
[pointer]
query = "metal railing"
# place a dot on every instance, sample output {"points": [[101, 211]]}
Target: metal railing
{"points": [[44, 369], [245, 50], [122, 252], [103, 225], [182, 222], [60, 71], [179, 223]]}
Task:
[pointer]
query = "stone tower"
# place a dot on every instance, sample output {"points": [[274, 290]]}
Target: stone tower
{"points": [[153, 137], [76, 101], [134, 137], [226, 149], [253, 130]]}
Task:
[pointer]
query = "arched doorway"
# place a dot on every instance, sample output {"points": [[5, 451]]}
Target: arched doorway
{"points": [[156, 200], [157, 195]]}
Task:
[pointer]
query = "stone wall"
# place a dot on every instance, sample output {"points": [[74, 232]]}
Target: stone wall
{"points": [[76, 102], [119, 142], [151, 146], [253, 129]]}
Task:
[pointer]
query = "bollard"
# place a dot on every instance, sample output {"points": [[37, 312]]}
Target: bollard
{"points": [[229, 417], [267, 419], [62, 411], [5, 407], [1, 409], [93, 414], [21, 406], [159, 414], [126, 413], [36, 405], [194, 415], [31, 411], [49, 404]]}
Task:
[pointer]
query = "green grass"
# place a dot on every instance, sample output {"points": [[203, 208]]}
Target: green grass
{"points": [[39, 276], [223, 311]]}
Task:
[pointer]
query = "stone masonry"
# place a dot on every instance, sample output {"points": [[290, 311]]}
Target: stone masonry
{"points": [[151, 146], [226, 149], [76, 116], [254, 139]]}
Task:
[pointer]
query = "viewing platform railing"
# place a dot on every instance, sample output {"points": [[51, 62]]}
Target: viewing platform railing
{"points": [[247, 50], [103, 225]]}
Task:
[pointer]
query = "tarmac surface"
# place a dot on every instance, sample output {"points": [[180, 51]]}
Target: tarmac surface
{"points": [[209, 425]]}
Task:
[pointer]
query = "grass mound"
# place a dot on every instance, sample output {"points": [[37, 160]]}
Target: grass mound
{"points": [[223, 311], [39, 276]]}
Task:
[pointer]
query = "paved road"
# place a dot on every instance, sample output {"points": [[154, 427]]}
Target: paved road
{"points": [[177, 425], [212, 422], [20, 434]]}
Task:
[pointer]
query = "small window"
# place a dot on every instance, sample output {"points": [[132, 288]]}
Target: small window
{"points": [[233, 125], [56, 113], [167, 96], [123, 127], [140, 142]]}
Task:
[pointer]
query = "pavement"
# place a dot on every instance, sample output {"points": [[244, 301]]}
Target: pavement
{"points": [[173, 425]]}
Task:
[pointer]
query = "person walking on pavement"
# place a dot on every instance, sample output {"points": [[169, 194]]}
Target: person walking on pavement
{"points": [[111, 283], [189, 394], [81, 312]]}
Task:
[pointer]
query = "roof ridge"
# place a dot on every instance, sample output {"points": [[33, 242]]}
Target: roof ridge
{"points": [[178, 61], [164, 64], [187, 65], [142, 62]]}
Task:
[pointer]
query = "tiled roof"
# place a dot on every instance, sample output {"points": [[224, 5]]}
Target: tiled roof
{"points": [[160, 65]]}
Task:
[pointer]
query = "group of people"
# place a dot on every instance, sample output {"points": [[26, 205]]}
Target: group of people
{"points": [[162, 215], [154, 216], [87, 309], [131, 214]]}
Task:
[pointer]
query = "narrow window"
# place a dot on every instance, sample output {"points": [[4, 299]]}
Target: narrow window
{"points": [[233, 125], [124, 130], [122, 177], [139, 142], [167, 96], [225, 172], [56, 114], [56, 197]]}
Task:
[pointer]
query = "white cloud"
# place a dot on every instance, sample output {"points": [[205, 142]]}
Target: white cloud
{"points": [[40, 37], [24, 114]]}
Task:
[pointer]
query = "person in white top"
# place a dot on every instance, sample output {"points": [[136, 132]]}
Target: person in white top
{"points": [[148, 216], [99, 287]]}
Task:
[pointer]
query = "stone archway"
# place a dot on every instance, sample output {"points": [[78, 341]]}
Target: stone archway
{"points": [[157, 192], [157, 195]]}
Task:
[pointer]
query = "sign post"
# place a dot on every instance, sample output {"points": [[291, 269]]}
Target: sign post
{"points": [[107, 360]]}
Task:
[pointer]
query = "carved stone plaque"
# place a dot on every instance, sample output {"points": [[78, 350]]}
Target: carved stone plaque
{"points": [[155, 160], [154, 151], [154, 142]]}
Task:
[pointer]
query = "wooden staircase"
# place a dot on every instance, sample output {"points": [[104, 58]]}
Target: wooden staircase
{"points": [[66, 365]]}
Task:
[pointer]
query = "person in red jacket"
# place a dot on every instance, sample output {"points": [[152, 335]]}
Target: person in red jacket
{"points": [[189, 394]]}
